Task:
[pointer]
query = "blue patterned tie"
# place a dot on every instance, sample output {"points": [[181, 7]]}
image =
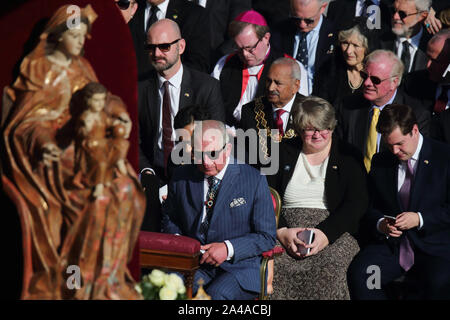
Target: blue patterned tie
{"points": [[302, 52], [406, 258], [213, 189]]}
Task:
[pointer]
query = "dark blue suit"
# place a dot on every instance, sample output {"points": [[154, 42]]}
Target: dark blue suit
{"points": [[249, 227], [430, 195]]}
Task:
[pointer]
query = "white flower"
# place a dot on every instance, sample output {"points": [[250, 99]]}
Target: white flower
{"points": [[167, 293], [157, 277], [138, 288], [175, 282]]}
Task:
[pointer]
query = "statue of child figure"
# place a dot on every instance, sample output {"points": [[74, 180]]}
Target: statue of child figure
{"points": [[101, 140]]}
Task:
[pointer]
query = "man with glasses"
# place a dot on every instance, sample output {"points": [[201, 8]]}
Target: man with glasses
{"points": [[408, 38], [193, 22], [170, 87], [127, 8], [307, 35], [228, 208], [358, 117], [242, 74]]}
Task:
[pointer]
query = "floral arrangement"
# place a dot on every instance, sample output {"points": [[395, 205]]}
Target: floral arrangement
{"points": [[159, 285]]}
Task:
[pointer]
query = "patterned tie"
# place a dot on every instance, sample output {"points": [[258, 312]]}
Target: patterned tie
{"points": [[279, 121], [406, 258], [371, 147], [442, 100], [213, 189], [153, 18], [406, 55], [302, 52], [167, 125]]}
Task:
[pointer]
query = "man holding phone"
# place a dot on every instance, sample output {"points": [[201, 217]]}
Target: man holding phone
{"points": [[412, 180]]}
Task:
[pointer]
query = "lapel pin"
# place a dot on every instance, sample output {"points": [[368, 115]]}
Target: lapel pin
{"points": [[175, 16], [426, 161], [287, 167], [330, 35], [186, 94], [335, 167]]}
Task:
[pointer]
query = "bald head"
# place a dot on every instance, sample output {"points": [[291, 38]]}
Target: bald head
{"points": [[165, 26]]}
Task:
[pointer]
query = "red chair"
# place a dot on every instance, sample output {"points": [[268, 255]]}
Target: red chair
{"points": [[182, 254]]}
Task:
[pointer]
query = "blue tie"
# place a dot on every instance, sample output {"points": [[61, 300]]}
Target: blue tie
{"points": [[302, 52], [211, 196]]}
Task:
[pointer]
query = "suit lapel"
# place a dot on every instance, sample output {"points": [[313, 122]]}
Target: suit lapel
{"points": [[186, 92], [324, 45], [421, 173], [332, 176], [196, 190], [153, 100]]}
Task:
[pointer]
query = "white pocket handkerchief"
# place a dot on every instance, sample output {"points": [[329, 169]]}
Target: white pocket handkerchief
{"points": [[237, 202]]}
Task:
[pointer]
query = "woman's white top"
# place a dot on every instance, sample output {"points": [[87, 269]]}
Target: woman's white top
{"points": [[306, 189]]}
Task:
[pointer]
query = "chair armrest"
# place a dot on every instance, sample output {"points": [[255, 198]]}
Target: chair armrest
{"points": [[168, 242]]}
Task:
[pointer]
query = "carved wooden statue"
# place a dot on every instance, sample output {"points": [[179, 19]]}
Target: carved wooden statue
{"points": [[84, 204]]}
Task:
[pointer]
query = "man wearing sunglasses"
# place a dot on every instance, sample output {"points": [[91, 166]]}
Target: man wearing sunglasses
{"points": [[358, 117], [170, 87], [127, 8], [193, 22], [242, 74], [408, 38], [227, 207], [307, 35]]}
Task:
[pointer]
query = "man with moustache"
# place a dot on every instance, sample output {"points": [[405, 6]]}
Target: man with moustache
{"points": [[242, 74], [228, 208], [408, 38], [272, 111], [410, 182], [170, 87], [358, 116]]}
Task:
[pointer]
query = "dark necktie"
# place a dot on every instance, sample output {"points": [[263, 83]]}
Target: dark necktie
{"points": [[406, 55], [442, 100], [213, 188], [406, 254], [302, 52], [153, 18], [279, 121], [167, 125]]}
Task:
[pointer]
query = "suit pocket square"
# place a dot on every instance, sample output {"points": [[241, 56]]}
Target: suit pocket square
{"points": [[237, 202]]}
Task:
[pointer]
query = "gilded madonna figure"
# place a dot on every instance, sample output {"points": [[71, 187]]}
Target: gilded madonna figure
{"points": [[65, 223]]}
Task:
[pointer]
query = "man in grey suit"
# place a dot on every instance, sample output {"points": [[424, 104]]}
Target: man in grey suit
{"points": [[227, 207], [170, 87]]}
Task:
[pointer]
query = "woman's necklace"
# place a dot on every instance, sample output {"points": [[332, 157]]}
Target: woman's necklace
{"points": [[351, 85]]}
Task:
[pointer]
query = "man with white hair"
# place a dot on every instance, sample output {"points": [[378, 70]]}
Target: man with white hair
{"points": [[382, 75], [408, 38]]}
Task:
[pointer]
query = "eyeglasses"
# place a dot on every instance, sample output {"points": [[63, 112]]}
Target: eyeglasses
{"points": [[124, 4], [308, 21], [375, 80], [311, 131], [163, 47], [213, 155], [248, 49], [402, 14]]}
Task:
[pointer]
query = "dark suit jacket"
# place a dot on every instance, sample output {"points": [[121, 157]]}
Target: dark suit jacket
{"points": [[354, 118], [248, 121], [196, 88], [249, 227], [194, 25], [420, 61], [440, 126], [430, 195], [283, 39], [418, 85], [274, 11], [345, 187]]}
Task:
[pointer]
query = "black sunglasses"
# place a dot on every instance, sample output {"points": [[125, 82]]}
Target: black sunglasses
{"points": [[123, 4], [375, 80], [213, 155], [163, 47], [308, 21], [402, 14]]}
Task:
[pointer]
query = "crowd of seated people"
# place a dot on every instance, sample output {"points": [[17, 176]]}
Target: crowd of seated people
{"points": [[348, 97]]}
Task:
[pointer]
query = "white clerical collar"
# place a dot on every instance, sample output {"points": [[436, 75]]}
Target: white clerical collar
{"points": [[174, 81], [287, 107]]}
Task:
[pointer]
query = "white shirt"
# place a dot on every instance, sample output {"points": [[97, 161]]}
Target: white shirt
{"points": [[402, 174], [174, 93], [205, 193], [160, 14], [413, 46], [285, 115], [312, 38]]}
